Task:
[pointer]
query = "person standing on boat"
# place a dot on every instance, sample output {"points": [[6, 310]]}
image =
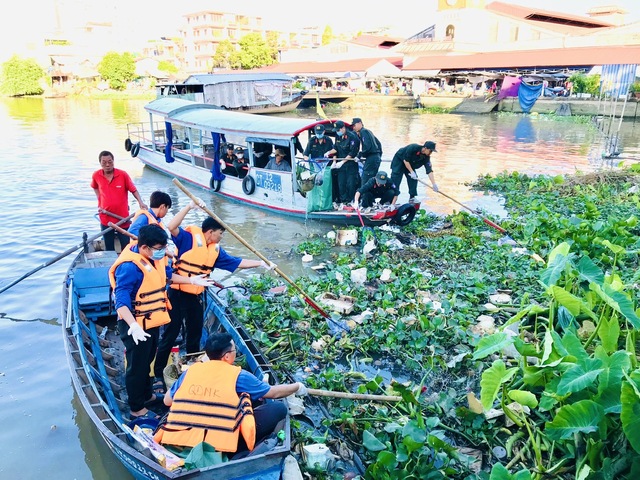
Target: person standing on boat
{"points": [[406, 162], [279, 163], [199, 252], [346, 149], [159, 205], [139, 280], [112, 186], [240, 163], [213, 402], [227, 161], [370, 151], [319, 144], [379, 187]]}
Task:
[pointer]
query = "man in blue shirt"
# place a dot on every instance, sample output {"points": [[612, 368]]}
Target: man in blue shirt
{"points": [[199, 253], [159, 205]]}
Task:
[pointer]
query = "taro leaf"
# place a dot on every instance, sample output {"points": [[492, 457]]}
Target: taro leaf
{"points": [[524, 398], [618, 301], [388, 460], [566, 299], [558, 260], [616, 249], [589, 271], [609, 333], [574, 347], [492, 343], [583, 416], [565, 318], [491, 381], [371, 443], [548, 346], [610, 380], [529, 310], [580, 376], [630, 413]]}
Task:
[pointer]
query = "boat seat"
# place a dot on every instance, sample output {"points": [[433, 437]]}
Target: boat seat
{"points": [[94, 291]]}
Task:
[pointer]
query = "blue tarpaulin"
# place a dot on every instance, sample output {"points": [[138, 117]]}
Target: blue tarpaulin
{"points": [[527, 95], [169, 146], [216, 173]]}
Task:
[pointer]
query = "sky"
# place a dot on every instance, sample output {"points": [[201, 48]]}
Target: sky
{"points": [[144, 19]]}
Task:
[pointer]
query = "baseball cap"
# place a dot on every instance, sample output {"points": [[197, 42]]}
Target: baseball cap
{"points": [[279, 152], [430, 145], [356, 120], [339, 124], [319, 128], [239, 150], [229, 146], [382, 177]]}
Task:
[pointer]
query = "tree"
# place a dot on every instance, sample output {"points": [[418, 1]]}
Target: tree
{"points": [[273, 43], [118, 69], [166, 66], [224, 53], [327, 35], [21, 77], [254, 52]]}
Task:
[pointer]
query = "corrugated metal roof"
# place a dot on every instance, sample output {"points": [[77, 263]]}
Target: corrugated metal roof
{"points": [[360, 65], [215, 78]]}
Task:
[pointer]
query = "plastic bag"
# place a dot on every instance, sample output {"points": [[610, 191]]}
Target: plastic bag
{"points": [[203, 455]]}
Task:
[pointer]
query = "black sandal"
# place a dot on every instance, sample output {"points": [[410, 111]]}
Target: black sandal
{"points": [[159, 386]]}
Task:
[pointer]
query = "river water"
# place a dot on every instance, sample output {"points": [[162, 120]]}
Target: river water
{"points": [[50, 152]]}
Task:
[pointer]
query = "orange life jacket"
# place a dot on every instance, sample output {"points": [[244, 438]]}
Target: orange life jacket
{"points": [[206, 408], [151, 306], [150, 218], [200, 259]]}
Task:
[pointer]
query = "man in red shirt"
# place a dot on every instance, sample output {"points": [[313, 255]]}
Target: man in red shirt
{"points": [[112, 187]]}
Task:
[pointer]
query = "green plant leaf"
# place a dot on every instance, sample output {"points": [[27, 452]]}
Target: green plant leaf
{"points": [[609, 333], [492, 380], [387, 459], [618, 301], [589, 271], [524, 398], [616, 249], [371, 443], [574, 347], [566, 299], [630, 413], [413, 430], [493, 343], [583, 416], [500, 472], [579, 376], [558, 260], [610, 380]]}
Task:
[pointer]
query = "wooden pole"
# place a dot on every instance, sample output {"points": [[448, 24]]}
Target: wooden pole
{"points": [[354, 396]]}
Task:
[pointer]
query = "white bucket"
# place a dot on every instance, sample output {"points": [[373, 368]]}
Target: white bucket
{"points": [[317, 455]]}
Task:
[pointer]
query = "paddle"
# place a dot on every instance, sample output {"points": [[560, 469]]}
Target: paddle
{"points": [[535, 256], [354, 396], [307, 299], [63, 254]]}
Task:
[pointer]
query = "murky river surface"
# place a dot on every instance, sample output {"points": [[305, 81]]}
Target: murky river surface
{"points": [[50, 149]]}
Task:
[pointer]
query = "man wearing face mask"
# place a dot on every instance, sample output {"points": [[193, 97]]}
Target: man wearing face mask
{"points": [[139, 278], [199, 253], [346, 148], [371, 150], [240, 163], [318, 145]]}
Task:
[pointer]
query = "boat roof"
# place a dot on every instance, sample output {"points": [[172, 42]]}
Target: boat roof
{"points": [[214, 119], [216, 78]]}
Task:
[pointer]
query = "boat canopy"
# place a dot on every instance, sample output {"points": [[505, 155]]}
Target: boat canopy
{"points": [[215, 78], [214, 119]]}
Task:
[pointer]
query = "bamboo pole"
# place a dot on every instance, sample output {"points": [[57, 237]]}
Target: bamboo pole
{"points": [[354, 396]]}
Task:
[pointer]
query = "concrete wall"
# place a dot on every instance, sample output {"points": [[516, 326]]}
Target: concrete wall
{"points": [[578, 107]]}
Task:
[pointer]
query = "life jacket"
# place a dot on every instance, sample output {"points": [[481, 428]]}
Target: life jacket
{"points": [[197, 261], [151, 306], [150, 217], [206, 408]]}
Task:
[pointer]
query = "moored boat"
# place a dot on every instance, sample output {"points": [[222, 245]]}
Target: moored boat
{"points": [[184, 139], [96, 361]]}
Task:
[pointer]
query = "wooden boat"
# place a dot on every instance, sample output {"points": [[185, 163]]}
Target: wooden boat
{"points": [[325, 96], [183, 139], [247, 92], [96, 361]]}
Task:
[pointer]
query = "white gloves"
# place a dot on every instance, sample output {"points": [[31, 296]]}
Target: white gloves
{"points": [[414, 175], [435, 187], [302, 390], [137, 333], [355, 205], [201, 281], [268, 266], [196, 203]]}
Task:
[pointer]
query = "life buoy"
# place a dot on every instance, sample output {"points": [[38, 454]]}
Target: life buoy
{"points": [[405, 214], [248, 185], [128, 144], [135, 149], [215, 184]]}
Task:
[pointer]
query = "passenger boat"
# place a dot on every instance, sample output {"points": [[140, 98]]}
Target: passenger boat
{"points": [[96, 361], [184, 139], [247, 92]]}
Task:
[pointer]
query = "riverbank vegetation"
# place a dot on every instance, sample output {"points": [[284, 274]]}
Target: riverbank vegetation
{"points": [[509, 368]]}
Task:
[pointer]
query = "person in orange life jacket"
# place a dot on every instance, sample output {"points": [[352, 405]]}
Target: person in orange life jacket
{"points": [[159, 205], [112, 186], [226, 161], [370, 151], [377, 187], [199, 253], [139, 278], [188, 404], [346, 146]]}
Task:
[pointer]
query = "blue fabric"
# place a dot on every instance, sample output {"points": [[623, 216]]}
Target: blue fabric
{"points": [[128, 280], [169, 146], [184, 242], [246, 383], [216, 173], [527, 95]]}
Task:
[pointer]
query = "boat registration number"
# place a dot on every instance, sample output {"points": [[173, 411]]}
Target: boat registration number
{"points": [[269, 181]]}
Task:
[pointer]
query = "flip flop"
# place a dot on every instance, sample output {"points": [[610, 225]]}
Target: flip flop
{"points": [[158, 400], [158, 386]]}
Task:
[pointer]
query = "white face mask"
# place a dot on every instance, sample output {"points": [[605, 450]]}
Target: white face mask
{"points": [[240, 156]]}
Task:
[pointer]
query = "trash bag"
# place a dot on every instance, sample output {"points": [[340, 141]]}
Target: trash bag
{"points": [[319, 199], [203, 455]]}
